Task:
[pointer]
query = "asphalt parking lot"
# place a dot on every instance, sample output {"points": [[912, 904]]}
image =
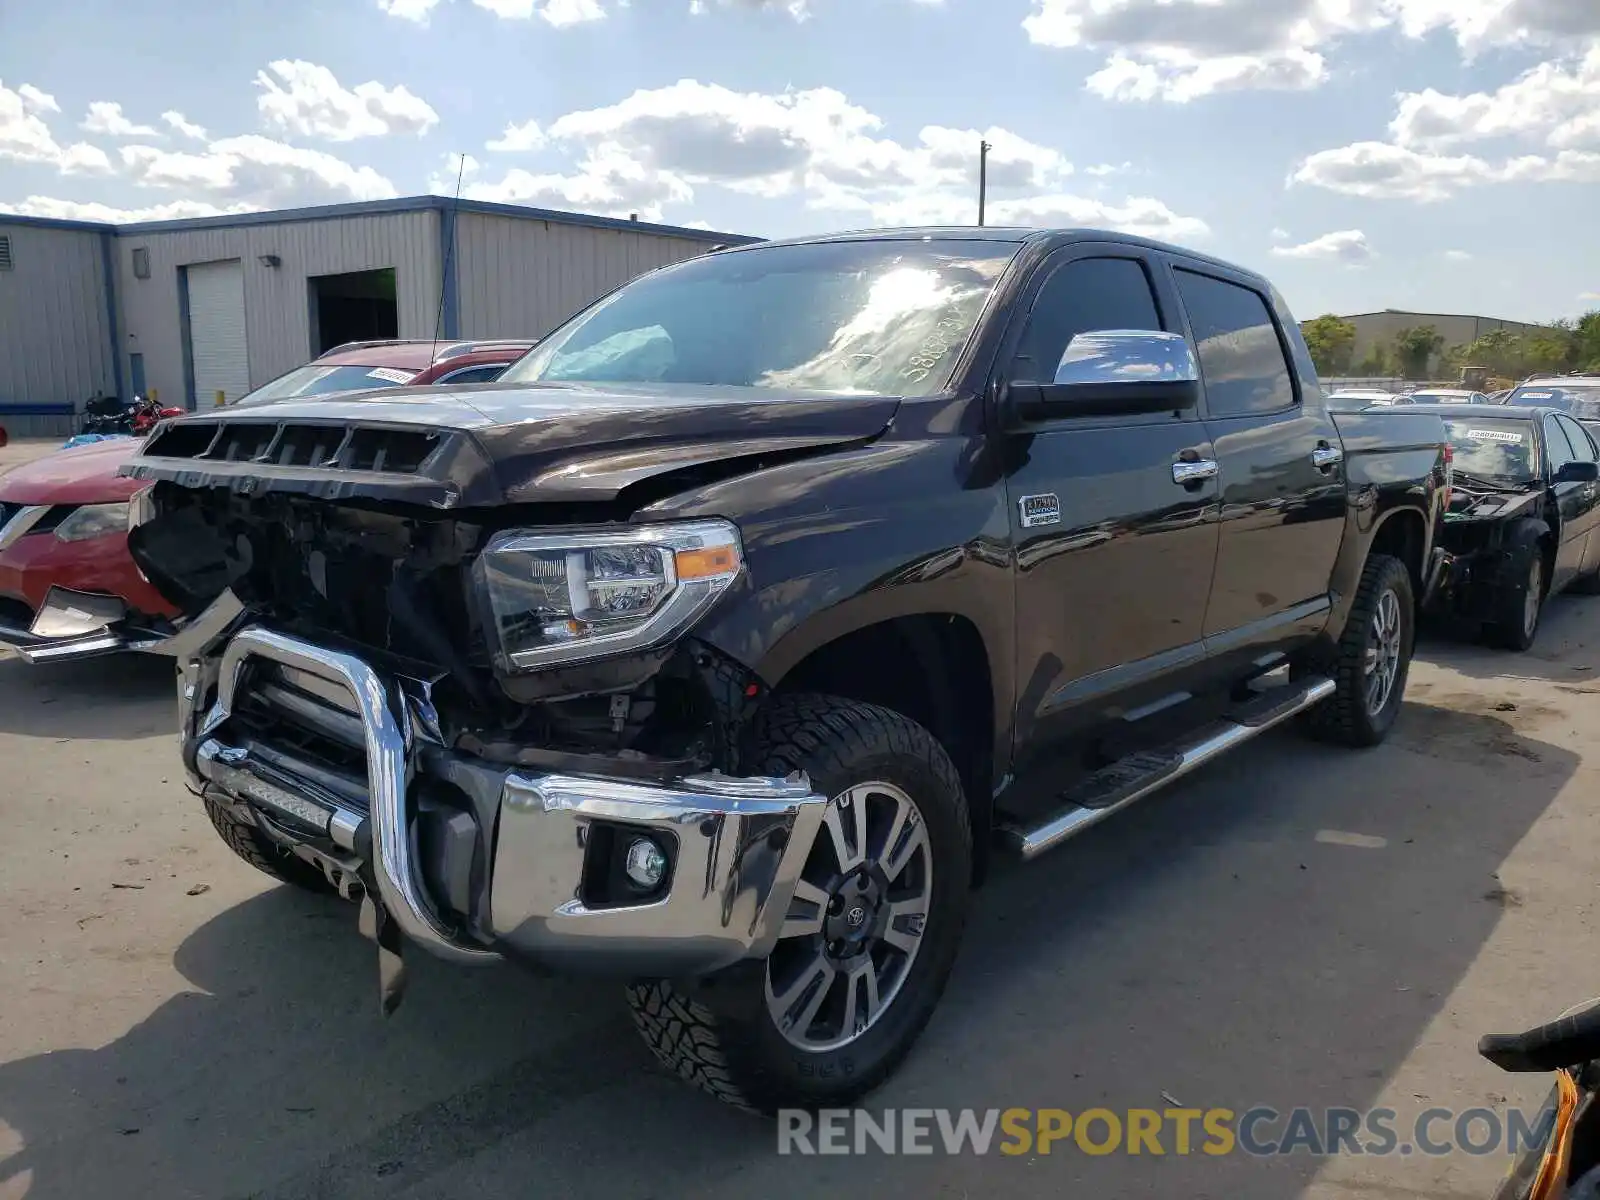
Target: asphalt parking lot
{"points": [[176, 1025]]}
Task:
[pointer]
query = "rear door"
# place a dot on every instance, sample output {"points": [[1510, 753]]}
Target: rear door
{"points": [[1282, 470], [1114, 555]]}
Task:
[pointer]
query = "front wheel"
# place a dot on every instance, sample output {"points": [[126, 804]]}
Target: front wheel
{"points": [[1516, 619], [1370, 664], [869, 938]]}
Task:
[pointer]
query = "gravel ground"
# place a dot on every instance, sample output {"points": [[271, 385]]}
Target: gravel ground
{"points": [[1293, 925]]}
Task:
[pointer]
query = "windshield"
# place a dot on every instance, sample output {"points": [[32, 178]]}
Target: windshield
{"points": [[1498, 450], [1580, 400], [872, 317], [314, 380], [1441, 397]]}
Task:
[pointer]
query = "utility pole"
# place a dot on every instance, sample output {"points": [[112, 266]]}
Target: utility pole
{"points": [[983, 176]]}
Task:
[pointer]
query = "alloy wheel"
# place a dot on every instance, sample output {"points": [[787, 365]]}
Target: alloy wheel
{"points": [[1382, 665], [1534, 598], [856, 921]]}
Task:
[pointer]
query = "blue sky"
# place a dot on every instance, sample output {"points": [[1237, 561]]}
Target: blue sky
{"points": [[1438, 155]]}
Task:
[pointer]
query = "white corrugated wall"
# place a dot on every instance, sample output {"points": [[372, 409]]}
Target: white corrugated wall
{"points": [[518, 277], [277, 299], [55, 344]]}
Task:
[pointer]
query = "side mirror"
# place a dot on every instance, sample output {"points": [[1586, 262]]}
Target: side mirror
{"points": [[1113, 372], [1578, 472]]}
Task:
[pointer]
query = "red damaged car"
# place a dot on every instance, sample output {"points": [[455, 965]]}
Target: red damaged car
{"points": [[68, 588]]}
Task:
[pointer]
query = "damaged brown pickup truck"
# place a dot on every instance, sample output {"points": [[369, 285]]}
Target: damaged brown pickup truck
{"points": [[716, 644]]}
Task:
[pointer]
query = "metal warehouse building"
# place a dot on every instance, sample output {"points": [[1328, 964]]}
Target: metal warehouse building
{"points": [[188, 309]]}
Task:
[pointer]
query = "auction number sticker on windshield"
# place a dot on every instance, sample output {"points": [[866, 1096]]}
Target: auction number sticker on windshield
{"points": [[1493, 435], [1534, 396], [390, 375]]}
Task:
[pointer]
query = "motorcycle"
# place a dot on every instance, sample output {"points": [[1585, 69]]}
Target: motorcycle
{"points": [[108, 416], [1564, 1161], [147, 414]]}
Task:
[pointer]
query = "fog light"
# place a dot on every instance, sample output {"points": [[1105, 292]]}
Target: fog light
{"points": [[645, 863]]}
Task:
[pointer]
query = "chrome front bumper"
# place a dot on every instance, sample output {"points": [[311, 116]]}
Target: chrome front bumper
{"points": [[739, 843], [74, 625]]}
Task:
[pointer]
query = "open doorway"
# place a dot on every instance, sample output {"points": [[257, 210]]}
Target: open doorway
{"points": [[353, 307]]}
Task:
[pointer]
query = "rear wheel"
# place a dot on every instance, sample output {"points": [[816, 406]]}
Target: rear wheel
{"points": [[1370, 664], [870, 936], [248, 843], [1516, 620]]}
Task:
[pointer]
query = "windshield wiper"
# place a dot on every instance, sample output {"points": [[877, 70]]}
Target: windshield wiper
{"points": [[1492, 484]]}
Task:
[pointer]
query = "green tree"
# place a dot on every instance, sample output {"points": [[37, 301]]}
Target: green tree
{"points": [[1547, 352], [1415, 347], [1586, 341], [1332, 342]]}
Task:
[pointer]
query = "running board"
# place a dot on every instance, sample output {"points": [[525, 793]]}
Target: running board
{"points": [[1133, 778]]}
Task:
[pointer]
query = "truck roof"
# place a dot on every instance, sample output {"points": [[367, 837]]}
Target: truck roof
{"points": [[1050, 238]]}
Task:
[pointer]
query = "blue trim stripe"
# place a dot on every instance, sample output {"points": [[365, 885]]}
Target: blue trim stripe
{"points": [[186, 337], [449, 271], [108, 268], [327, 212]]}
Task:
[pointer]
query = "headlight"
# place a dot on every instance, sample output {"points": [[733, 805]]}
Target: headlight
{"points": [[572, 596], [93, 520]]}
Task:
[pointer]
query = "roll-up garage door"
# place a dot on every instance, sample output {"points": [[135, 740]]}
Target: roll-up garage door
{"points": [[218, 351]]}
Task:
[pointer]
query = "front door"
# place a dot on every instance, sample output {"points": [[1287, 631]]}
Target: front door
{"points": [[1583, 445], [1282, 472], [1575, 501], [1114, 557]]}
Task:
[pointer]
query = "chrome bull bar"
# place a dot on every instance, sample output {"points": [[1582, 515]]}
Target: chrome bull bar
{"points": [[740, 841], [388, 744]]}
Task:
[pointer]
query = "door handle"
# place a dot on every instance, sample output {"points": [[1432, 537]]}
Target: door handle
{"points": [[1194, 472], [1325, 456]]}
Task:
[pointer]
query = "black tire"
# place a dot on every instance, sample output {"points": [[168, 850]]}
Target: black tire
{"points": [[1347, 717], [261, 854], [1519, 609], [732, 1047]]}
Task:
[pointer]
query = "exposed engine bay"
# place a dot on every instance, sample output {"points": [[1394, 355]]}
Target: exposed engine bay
{"points": [[394, 584]]}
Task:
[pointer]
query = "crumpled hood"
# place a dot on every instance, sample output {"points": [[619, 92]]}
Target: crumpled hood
{"points": [[81, 475], [499, 443]]}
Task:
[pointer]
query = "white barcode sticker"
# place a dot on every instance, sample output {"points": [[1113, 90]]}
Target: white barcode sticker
{"points": [[1493, 435], [390, 375]]}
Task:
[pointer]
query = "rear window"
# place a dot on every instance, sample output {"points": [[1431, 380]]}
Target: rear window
{"points": [[1494, 449], [315, 380], [1580, 400]]}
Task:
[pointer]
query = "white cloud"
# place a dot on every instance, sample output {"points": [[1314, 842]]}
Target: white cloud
{"points": [[24, 137], [658, 146], [1101, 170], [1557, 103], [800, 10], [1348, 246], [1280, 235], [1458, 255], [1382, 171], [1179, 50], [37, 101], [255, 171], [1588, 296], [81, 158], [105, 117], [518, 138], [558, 13], [307, 99], [75, 210], [183, 125], [409, 10]]}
